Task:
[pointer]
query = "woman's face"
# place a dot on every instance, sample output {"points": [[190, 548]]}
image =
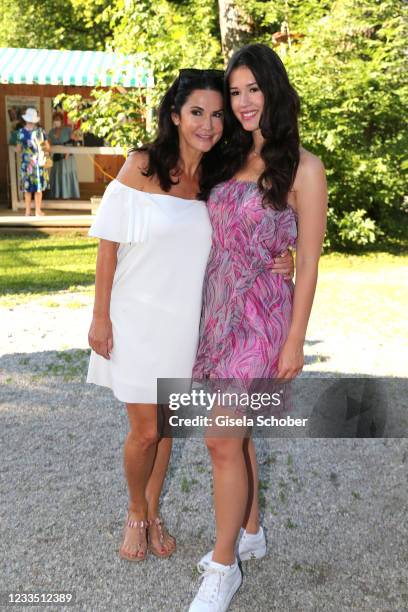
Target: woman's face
{"points": [[201, 120], [247, 100]]}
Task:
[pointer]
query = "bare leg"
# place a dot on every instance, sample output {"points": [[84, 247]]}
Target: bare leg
{"points": [[153, 492], [27, 201], [139, 455], [251, 519], [230, 493], [38, 200]]}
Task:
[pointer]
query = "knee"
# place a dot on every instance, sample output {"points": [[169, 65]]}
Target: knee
{"points": [[223, 450], [145, 438]]}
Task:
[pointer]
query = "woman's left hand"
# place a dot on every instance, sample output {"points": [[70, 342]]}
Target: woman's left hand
{"points": [[284, 264], [291, 359]]}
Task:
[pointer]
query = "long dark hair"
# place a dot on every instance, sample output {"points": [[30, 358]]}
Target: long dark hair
{"points": [[279, 125], [164, 151]]}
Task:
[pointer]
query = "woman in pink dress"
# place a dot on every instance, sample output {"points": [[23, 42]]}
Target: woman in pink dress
{"points": [[254, 323]]}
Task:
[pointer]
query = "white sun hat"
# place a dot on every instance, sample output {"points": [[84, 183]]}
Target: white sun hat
{"points": [[31, 116]]}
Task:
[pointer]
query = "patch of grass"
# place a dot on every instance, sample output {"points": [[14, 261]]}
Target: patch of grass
{"points": [[263, 485], [270, 459], [361, 294], [356, 495], [295, 480], [319, 572], [289, 463], [363, 262], [194, 573], [186, 485], [51, 304], [67, 365], [42, 263], [74, 305], [290, 524]]}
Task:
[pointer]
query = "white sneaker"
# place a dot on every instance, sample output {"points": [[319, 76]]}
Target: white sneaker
{"points": [[250, 546], [219, 585]]}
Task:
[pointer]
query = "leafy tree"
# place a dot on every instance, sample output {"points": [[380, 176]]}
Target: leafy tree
{"points": [[346, 58], [348, 67], [55, 24], [171, 35], [166, 36], [349, 71], [118, 115]]}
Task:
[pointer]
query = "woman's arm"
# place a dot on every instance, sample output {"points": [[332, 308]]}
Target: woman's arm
{"points": [[100, 332], [311, 206]]}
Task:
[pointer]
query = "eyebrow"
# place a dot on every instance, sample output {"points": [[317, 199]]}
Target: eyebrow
{"points": [[221, 110], [247, 85]]}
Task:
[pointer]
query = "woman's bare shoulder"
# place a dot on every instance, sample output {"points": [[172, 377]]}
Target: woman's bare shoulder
{"points": [[309, 164], [133, 171]]}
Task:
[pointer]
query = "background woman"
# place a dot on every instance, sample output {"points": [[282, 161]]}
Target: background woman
{"points": [[32, 144], [63, 179], [254, 323]]}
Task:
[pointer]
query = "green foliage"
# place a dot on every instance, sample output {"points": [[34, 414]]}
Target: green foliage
{"points": [[117, 114], [173, 35], [351, 230], [41, 263], [166, 36], [55, 24], [349, 70]]}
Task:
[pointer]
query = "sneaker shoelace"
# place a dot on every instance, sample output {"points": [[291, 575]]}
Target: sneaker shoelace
{"points": [[210, 585]]}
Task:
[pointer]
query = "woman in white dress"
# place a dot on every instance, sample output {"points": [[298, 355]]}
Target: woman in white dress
{"points": [[155, 240]]}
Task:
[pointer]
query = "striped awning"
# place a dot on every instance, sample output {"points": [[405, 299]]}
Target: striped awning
{"points": [[89, 68]]}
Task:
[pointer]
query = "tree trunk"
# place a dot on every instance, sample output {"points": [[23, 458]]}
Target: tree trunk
{"points": [[234, 27]]}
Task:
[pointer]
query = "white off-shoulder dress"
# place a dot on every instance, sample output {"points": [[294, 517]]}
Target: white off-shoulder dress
{"points": [[157, 289]]}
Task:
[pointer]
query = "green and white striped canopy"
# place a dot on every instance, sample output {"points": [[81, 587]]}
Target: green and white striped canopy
{"points": [[86, 68]]}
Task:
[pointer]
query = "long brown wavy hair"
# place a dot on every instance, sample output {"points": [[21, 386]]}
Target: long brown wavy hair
{"points": [[164, 151], [279, 125]]}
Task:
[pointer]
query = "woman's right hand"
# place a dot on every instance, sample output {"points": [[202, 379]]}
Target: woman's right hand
{"points": [[100, 337]]}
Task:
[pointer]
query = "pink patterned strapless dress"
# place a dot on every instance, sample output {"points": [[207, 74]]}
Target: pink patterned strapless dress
{"points": [[247, 309]]}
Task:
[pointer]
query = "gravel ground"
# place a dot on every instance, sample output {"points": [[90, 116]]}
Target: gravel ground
{"points": [[335, 510]]}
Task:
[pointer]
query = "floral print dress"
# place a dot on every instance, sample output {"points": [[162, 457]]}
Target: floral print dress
{"points": [[247, 310], [33, 176]]}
